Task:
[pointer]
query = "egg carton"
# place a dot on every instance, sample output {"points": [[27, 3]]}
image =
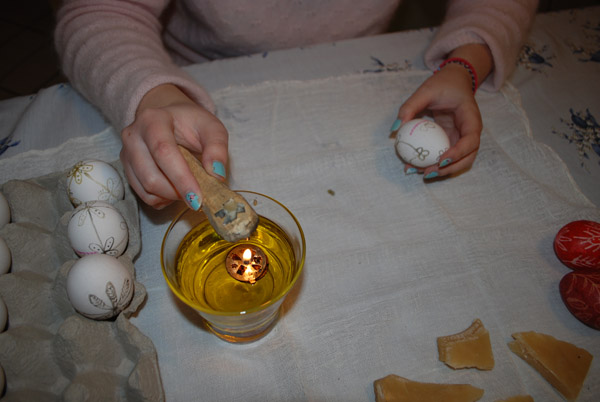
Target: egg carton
{"points": [[49, 351]]}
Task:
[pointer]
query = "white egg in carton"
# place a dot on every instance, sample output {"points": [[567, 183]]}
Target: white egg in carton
{"points": [[49, 350]]}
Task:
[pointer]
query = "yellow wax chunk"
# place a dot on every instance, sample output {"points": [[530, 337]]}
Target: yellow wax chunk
{"points": [[393, 388], [517, 398], [561, 363], [467, 349]]}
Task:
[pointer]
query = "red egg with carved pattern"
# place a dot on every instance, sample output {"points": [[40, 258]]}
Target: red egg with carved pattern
{"points": [[577, 245], [580, 292]]}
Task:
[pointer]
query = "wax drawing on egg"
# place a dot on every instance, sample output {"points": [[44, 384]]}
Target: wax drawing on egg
{"points": [[118, 303], [421, 142], [94, 180], [92, 212], [97, 227]]}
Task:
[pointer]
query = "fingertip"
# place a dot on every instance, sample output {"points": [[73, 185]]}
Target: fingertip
{"points": [[218, 168], [445, 162], [431, 175], [193, 200]]}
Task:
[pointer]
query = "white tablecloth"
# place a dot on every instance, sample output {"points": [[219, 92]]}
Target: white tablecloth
{"points": [[392, 262]]}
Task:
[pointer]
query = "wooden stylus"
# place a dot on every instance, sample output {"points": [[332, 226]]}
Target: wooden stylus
{"points": [[228, 212]]}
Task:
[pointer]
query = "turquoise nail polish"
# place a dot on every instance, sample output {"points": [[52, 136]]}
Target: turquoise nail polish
{"points": [[431, 175], [445, 162], [193, 200], [411, 170], [396, 125], [218, 168]]}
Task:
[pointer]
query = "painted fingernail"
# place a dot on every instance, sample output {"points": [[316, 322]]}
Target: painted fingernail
{"points": [[445, 162], [218, 168], [396, 125], [193, 200], [411, 170], [431, 175]]}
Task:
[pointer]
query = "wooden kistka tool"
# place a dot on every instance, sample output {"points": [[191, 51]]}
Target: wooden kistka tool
{"points": [[228, 212]]}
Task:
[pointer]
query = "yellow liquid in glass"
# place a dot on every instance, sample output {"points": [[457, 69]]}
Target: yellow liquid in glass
{"points": [[204, 280]]}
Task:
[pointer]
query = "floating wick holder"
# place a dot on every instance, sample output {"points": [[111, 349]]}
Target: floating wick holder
{"points": [[246, 263]]}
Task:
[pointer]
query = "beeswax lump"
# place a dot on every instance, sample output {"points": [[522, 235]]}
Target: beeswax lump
{"points": [[467, 349], [394, 388], [561, 363], [518, 398]]}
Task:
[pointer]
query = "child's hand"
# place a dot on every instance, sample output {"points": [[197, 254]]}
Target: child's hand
{"points": [[448, 96], [152, 162]]}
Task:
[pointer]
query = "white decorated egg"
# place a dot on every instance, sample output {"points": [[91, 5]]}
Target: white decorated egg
{"points": [[3, 315], [93, 179], [421, 142], [4, 211], [97, 227], [99, 286], [5, 257]]}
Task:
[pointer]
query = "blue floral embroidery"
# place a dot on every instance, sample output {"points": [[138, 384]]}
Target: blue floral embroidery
{"points": [[589, 51], [6, 143], [586, 54], [583, 131], [535, 59], [381, 66]]}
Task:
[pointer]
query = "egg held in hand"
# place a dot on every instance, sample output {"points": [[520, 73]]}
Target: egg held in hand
{"points": [[577, 245], [99, 286], [97, 227], [421, 142], [94, 179]]}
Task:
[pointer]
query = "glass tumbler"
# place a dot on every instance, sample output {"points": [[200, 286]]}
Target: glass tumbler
{"points": [[193, 259]]}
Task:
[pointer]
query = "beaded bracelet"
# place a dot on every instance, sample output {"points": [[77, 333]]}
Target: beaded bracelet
{"points": [[465, 64]]}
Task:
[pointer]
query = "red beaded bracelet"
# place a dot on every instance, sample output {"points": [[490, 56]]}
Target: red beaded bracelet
{"points": [[465, 64]]}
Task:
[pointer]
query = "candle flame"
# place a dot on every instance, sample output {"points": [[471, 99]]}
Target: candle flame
{"points": [[247, 256]]}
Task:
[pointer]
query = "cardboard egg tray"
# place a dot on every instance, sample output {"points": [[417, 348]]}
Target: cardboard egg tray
{"points": [[49, 351]]}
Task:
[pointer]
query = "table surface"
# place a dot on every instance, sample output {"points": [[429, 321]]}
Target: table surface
{"points": [[392, 262]]}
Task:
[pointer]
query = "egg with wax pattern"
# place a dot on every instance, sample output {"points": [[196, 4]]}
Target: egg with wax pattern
{"points": [[99, 286], [580, 291], [577, 245], [94, 179], [97, 227], [421, 142]]}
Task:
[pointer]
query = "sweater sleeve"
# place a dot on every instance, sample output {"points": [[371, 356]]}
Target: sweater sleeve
{"points": [[112, 53], [501, 24]]}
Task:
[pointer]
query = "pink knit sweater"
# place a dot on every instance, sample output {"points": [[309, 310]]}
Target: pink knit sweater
{"points": [[114, 51]]}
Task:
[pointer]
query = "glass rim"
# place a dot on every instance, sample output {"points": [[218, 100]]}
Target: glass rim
{"points": [[263, 306]]}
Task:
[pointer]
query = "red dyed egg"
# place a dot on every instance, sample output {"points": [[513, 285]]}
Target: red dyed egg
{"points": [[577, 245], [580, 292]]}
